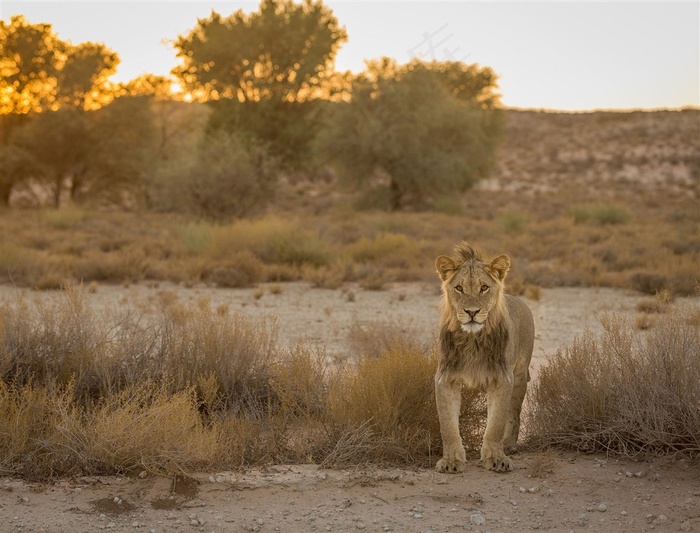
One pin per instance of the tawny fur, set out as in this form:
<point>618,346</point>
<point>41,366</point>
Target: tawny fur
<point>486,339</point>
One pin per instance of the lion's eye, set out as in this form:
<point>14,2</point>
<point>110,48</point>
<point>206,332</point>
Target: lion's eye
<point>484,288</point>
<point>459,288</point>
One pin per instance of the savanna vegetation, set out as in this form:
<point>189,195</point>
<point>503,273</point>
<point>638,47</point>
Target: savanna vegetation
<point>269,165</point>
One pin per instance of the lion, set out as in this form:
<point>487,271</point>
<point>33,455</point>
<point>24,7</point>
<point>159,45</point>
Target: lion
<point>485,341</point>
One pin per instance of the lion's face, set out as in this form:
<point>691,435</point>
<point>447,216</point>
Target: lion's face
<point>472,288</point>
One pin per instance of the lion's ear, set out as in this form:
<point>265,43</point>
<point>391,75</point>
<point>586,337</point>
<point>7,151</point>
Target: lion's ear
<point>444,266</point>
<point>499,266</point>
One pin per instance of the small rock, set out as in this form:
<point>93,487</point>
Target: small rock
<point>623,513</point>
<point>686,526</point>
<point>513,503</point>
<point>477,519</point>
<point>641,473</point>
<point>602,508</point>
<point>522,490</point>
<point>143,474</point>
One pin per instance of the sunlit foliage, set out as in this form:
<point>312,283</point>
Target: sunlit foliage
<point>39,71</point>
<point>284,51</point>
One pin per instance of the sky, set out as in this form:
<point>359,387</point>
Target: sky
<point>573,56</point>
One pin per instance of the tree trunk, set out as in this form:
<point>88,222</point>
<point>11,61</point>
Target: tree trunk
<point>58,185</point>
<point>395,196</point>
<point>5,191</point>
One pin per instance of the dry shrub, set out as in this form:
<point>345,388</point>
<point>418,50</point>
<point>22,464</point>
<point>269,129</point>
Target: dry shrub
<point>649,282</point>
<point>299,382</point>
<point>33,422</point>
<point>388,249</point>
<point>376,337</point>
<point>383,411</point>
<point>199,342</point>
<point>242,269</point>
<point>129,264</point>
<point>272,240</point>
<point>45,434</point>
<point>623,393</point>
<point>147,427</point>
<point>53,342</point>
<point>658,304</point>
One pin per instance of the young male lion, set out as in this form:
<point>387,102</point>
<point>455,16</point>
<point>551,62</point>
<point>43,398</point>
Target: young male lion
<point>486,340</point>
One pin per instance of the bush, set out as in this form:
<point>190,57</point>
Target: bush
<point>599,213</point>
<point>228,177</point>
<point>384,410</point>
<point>623,394</point>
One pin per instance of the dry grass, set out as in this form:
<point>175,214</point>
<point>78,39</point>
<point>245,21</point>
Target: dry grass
<point>648,246</point>
<point>198,388</point>
<point>623,393</point>
<point>193,387</point>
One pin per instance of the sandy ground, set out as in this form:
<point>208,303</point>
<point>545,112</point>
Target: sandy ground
<point>555,492</point>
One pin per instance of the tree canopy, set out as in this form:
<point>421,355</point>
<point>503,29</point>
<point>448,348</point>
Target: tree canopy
<point>429,129</point>
<point>284,52</point>
<point>39,71</point>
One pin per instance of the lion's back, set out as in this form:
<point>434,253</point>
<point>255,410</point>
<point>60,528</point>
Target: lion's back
<point>522,328</point>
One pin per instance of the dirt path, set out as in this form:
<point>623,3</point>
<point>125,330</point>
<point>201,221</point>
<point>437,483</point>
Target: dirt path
<point>583,493</point>
<point>557,492</point>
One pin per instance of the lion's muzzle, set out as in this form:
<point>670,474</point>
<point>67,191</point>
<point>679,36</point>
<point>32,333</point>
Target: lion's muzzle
<point>472,320</point>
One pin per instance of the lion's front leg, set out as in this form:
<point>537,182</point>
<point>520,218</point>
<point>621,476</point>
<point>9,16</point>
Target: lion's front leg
<point>492,453</point>
<point>448,396</point>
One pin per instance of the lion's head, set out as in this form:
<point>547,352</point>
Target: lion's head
<point>473,289</point>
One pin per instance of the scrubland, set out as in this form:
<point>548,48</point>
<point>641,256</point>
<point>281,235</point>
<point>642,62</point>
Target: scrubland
<point>195,387</point>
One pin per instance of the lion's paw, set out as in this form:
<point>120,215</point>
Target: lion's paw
<point>452,462</point>
<point>446,466</point>
<point>499,464</point>
<point>495,459</point>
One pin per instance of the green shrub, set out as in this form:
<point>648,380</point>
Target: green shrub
<point>599,213</point>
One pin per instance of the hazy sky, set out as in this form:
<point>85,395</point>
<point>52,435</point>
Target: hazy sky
<point>557,55</point>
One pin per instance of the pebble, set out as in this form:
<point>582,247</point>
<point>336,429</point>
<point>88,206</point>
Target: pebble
<point>602,508</point>
<point>477,519</point>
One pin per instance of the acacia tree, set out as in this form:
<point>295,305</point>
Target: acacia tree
<point>40,72</point>
<point>429,129</point>
<point>264,70</point>
<point>284,52</point>
<point>46,87</point>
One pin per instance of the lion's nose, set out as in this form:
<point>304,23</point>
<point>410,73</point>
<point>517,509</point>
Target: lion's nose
<point>472,312</point>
